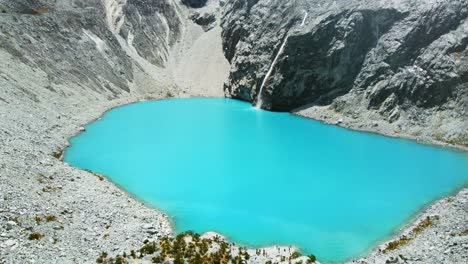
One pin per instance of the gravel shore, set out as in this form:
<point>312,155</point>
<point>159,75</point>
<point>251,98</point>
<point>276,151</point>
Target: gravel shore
<point>446,239</point>
<point>81,214</point>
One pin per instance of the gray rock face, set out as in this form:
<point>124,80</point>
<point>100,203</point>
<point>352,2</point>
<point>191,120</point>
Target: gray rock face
<point>194,3</point>
<point>51,44</point>
<point>145,25</point>
<point>385,56</point>
<point>75,40</point>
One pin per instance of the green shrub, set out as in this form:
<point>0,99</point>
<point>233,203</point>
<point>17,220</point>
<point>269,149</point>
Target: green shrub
<point>157,259</point>
<point>311,259</point>
<point>35,236</point>
<point>295,255</point>
<point>38,219</point>
<point>50,218</point>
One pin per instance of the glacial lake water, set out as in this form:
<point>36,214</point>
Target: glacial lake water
<point>263,178</point>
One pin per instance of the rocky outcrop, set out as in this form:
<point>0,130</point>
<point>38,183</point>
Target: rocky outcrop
<point>149,22</point>
<point>194,3</point>
<point>396,58</point>
<point>206,20</point>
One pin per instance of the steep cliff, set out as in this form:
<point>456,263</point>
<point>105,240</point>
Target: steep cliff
<point>400,62</point>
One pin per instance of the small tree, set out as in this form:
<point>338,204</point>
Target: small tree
<point>311,259</point>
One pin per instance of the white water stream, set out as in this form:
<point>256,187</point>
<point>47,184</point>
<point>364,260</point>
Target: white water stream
<point>270,70</point>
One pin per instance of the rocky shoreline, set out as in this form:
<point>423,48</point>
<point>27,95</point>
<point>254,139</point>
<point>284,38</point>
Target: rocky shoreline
<point>437,235</point>
<point>445,240</point>
<point>79,214</point>
<point>125,222</point>
<point>368,123</point>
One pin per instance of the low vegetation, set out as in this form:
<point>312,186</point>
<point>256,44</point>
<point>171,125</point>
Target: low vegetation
<point>35,236</point>
<point>169,94</point>
<point>99,176</point>
<point>3,9</point>
<point>57,154</point>
<point>427,222</point>
<point>464,233</point>
<point>311,259</point>
<point>48,189</point>
<point>403,240</point>
<point>42,10</point>
<point>187,247</point>
<point>397,243</point>
<point>295,255</point>
<point>50,218</point>
<point>462,141</point>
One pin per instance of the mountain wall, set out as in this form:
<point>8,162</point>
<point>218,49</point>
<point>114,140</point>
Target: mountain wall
<point>402,63</point>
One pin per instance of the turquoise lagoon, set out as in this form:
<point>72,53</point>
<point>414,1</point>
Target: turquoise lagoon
<point>263,178</point>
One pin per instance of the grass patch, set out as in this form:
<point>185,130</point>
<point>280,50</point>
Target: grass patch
<point>311,259</point>
<point>169,94</point>
<point>42,10</point>
<point>3,9</point>
<point>295,255</point>
<point>462,141</point>
<point>51,218</point>
<point>427,222</point>
<point>397,244</point>
<point>42,179</point>
<point>423,225</point>
<point>57,154</point>
<point>48,189</point>
<point>99,176</point>
<point>39,11</point>
<point>35,236</point>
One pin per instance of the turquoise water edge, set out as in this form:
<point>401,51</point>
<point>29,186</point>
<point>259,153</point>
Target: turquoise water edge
<point>264,178</point>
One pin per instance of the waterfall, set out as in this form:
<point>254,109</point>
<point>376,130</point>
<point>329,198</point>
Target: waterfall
<point>270,70</point>
<point>259,97</point>
<point>304,19</point>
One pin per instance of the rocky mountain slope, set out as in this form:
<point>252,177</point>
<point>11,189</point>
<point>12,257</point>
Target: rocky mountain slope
<point>402,64</point>
<point>64,63</point>
<point>96,45</point>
